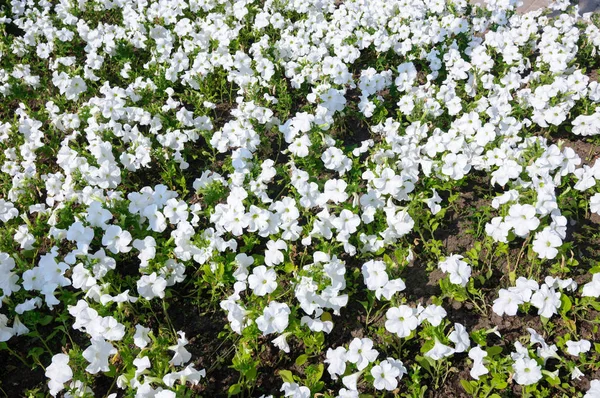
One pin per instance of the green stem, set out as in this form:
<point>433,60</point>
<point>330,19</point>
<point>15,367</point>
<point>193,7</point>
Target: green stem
<point>164,306</point>
<point>19,357</point>
<point>111,386</point>
<point>43,342</point>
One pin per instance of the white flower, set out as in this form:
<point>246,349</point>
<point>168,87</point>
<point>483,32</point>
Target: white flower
<point>594,391</point>
<point>434,314</point>
<point>578,347</point>
<point>116,240</point>
<point>385,375</point>
<point>375,274</point>
<point>7,211</point>
<point>595,204</point>
<point>522,219</point>
<point>81,235</point>
<point>156,219</point>
<point>336,358</point>
<point>507,303</point>
<point>498,229</point>
<point>460,337</point>
<point>160,393</point>
<point>175,210</point>
<point>18,327</point>
<point>334,159</point>
<point>75,88</point>
<point>273,254</point>
<point>263,280</point>
<point>592,288</point>
<point>456,166</point>
<point>281,342</point>
<point>335,191</point>
<point>343,393</point>
<point>434,203</point>
<point>236,315</point>
<point>150,286</point>
<point>8,278</point>
<point>546,300</point>
<point>351,380</point>
<point>407,73</point>
<point>111,329</point>
<point>459,271</point>
<point>347,222</point>
<point>576,374</point>
<point>188,374</point>
<point>401,320</point>
<point>97,355</point>
<point>527,371</point>
<point>25,238</point>
<point>361,352</point>
<point>333,100</point>
<point>546,242</point>
<point>478,369</point>
<point>294,390</point>
<point>545,351</point>
<point>182,355</point>
<point>390,288</point>
<point>59,372</point>
<point>300,146</point>
<point>141,338</point>
<point>97,216</point>
<point>274,319</point>
<point>439,351</point>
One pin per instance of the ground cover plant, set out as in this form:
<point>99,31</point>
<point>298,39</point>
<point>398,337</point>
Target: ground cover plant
<point>299,198</point>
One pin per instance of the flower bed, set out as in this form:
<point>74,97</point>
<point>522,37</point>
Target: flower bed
<point>299,198</point>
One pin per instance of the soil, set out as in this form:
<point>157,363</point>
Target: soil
<point>587,150</point>
<point>207,349</point>
<point>15,376</point>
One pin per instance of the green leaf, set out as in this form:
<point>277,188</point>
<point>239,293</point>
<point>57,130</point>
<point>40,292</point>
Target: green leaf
<point>301,360</point>
<point>286,376</point>
<point>595,270</point>
<point>566,304</point>
<point>492,351</point>
<point>466,386</point>
<point>471,287</point>
<point>551,378</point>
<point>234,389</point>
<point>318,386</point>
<point>35,352</point>
<point>289,268</point>
<point>595,304</point>
<point>365,304</point>
<point>112,371</point>
<point>423,362</point>
<point>251,373</point>
<point>387,260</point>
<point>320,370</point>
